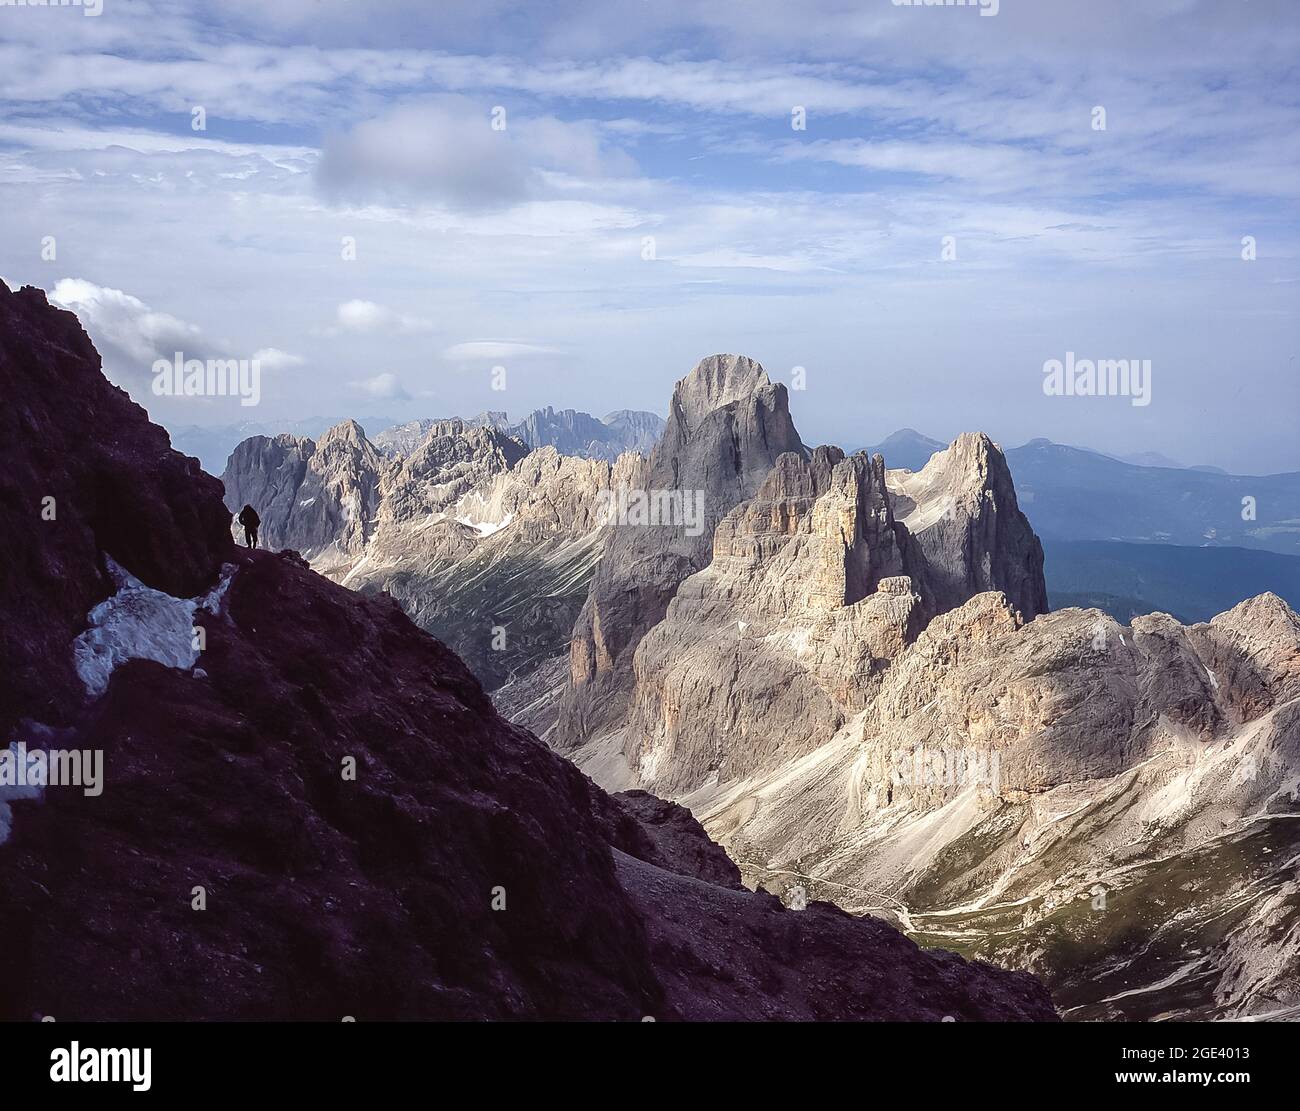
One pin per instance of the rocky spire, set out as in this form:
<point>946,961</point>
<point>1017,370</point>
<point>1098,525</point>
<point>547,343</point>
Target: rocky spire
<point>961,508</point>
<point>727,425</point>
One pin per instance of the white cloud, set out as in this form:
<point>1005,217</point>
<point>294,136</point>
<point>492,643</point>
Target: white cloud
<point>272,358</point>
<point>127,331</point>
<point>383,387</point>
<point>131,336</point>
<point>367,316</point>
<point>57,135</point>
<point>818,248</point>
<point>725,258</point>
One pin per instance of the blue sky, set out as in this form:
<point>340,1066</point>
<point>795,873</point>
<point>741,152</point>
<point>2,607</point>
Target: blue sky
<point>818,248</point>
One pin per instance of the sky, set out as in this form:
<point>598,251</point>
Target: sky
<point>425,209</point>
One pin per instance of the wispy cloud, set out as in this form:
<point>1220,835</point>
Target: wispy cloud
<point>478,350</point>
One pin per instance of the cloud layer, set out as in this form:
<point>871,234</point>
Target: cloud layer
<point>948,217</point>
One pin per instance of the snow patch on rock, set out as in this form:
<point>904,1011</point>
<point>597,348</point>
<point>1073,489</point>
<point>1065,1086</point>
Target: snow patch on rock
<point>140,623</point>
<point>486,528</point>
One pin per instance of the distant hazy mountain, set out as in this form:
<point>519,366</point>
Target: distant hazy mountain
<point>906,449</point>
<point>1192,584</point>
<point>1155,459</point>
<point>569,431</point>
<point>212,445</point>
<point>1074,494</point>
<point>402,439</point>
<point>640,430</point>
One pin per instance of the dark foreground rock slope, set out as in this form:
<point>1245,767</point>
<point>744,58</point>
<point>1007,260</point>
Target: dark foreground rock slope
<point>329,896</point>
<point>82,472</point>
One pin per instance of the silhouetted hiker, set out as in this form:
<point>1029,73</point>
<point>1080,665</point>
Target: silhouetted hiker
<point>250,520</point>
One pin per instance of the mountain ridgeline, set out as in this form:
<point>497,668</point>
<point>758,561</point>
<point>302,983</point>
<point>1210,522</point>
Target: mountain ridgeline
<point>568,431</point>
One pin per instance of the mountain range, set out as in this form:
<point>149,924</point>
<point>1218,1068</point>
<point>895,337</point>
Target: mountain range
<point>860,692</point>
<point>850,673</point>
<point>211,445</point>
<point>1075,493</point>
<point>312,810</point>
<point>569,431</point>
<point>912,449</point>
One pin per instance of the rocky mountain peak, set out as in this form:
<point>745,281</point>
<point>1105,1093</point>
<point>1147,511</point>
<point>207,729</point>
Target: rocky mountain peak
<point>727,426</point>
<point>906,449</point>
<point>492,418</point>
<point>962,510</point>
<point>716,381</point>
<point>1263,610</point>
<point>766,651</point>
<point>347,433</point>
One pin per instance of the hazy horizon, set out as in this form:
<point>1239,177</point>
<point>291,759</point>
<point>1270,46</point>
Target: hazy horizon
<point>373,423</point>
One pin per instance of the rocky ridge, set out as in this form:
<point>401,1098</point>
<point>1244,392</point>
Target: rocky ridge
<point>486,544</point>
<point>1111,807</point>
<point>817,581</point>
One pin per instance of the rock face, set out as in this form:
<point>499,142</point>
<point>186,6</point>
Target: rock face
<point>435,480</point>
<point>319,497</point>
<point>1110,807</point>
<point>501,572</point>
<point>747,660</point>
<point>862,694</point>
<point>463,872</point>
<point>727,426</point>
<point>786,632</point>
